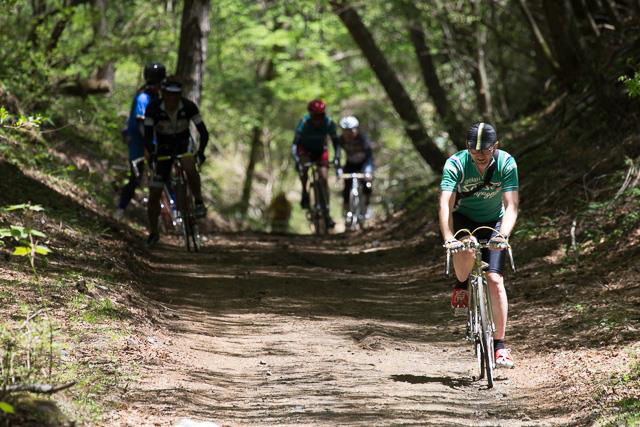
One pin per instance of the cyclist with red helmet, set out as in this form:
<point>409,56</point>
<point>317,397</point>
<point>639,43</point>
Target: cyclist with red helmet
<point>310,144</point>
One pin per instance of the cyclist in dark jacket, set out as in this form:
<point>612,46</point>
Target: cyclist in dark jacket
<point>153,73</point>
<point>359,150</point>
<point>310,145</point>
<point>169,119</point>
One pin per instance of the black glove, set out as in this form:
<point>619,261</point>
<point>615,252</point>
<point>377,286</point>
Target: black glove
<point>201,157</point>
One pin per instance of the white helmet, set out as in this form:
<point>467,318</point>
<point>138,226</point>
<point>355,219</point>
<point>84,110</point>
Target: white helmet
<point>349,122</point>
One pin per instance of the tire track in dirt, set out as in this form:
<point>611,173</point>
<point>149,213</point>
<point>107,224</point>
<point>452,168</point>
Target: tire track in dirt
<point>268,330</point>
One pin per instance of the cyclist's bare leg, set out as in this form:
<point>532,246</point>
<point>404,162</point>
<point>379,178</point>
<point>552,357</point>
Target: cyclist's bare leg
<point>153,208</point>
<point>189,166</point>
<point>499,303</point>
<point>463,262</point>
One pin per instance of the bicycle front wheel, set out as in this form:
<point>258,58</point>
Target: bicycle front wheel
<point>486,336</point>
<point>319,210</point>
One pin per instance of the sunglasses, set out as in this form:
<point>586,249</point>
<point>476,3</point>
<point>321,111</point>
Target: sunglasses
<point>484,151</point>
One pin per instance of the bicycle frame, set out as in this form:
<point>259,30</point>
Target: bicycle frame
<point>355,215</point>
<point>480,324</point>
<point>184,202</point>
<point>318,206</point>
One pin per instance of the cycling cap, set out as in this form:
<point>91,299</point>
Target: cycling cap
<point>481,136</point>
<point>349,122</point>
<point>154,72</point>
<point>172,85</point>
<point>317,106</point>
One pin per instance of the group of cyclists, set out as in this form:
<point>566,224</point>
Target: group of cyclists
<point>479,185</point>
<point>158,131</point>
<point>310,145</point>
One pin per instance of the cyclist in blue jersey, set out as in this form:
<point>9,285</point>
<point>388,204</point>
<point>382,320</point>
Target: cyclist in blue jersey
<point>310,145</point>
<point>484,180</point>
<point>169,117</point>
<point>359,151</point>
<point>153,74</point>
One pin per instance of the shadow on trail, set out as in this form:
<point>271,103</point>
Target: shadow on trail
<point>297,330</point>
<point>389,285</point>
<point>455,383</point>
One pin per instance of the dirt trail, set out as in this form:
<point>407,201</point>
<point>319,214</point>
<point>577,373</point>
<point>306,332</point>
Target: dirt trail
<point>268,330</point>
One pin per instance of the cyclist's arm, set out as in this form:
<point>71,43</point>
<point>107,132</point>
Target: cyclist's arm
<point>148,134</point>
<point>368,151</point>
<point>204,135</point>
<point>333,134</point>
<point>297,138</point>
<point>447,200</point>
<point>510,199</point>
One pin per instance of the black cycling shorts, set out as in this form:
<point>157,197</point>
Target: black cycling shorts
<point>495,259</point>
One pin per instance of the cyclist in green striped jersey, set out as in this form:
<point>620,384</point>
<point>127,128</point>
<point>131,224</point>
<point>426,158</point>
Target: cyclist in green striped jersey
<point>480,187</point>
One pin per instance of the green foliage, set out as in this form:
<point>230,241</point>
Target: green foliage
<point>25,239</point>
<point>631,84</point>
<point>10,121</point>
<point>6,408</point>
<point>27,351</point>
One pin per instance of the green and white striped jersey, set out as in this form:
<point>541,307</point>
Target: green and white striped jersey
<point>461,174</point>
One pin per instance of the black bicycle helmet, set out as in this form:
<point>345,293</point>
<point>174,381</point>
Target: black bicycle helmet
<point>171,84</point>
<point>154,72</point>
<point>481,136</point>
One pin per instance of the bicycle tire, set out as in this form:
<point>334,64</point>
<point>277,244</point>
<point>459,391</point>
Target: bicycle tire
<point>362,210</point>
<point>473,331</point>
<point>486,335</point>
<point>182,200</point>
<point>165,213</point>
<point>192,227</point>
<point>320,219</point>
<point>353,203</point>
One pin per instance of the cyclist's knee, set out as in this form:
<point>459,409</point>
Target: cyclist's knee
<point>495,279</point>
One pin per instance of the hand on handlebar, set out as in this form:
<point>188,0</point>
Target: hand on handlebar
<point>498,243</point>
<point>201,157</point>
<point>453,245</point>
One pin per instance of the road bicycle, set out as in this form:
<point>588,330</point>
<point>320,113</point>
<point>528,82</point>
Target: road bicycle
<point>186,221</point>
<point>318,211</point>
<point>170,220</point>
<point>480,325</point>
<point>356,210</point>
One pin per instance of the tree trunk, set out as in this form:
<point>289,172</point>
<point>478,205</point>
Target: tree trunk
<point>483,88</point>
<point>432,81</point>
<point>105,72</point>
<point>613,13</point>
<point>503,69</point>
<point>539,38</point>
<point>256,143</point>
<point>401,101</point>
<point>567,49</point>
<point>192,53</point>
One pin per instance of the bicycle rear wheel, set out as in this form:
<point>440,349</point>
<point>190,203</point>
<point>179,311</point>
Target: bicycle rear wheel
<point>486,336</point>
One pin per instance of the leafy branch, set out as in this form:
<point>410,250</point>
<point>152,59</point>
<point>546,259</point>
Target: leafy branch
<point>20,121</point>
<point>26,239</point>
